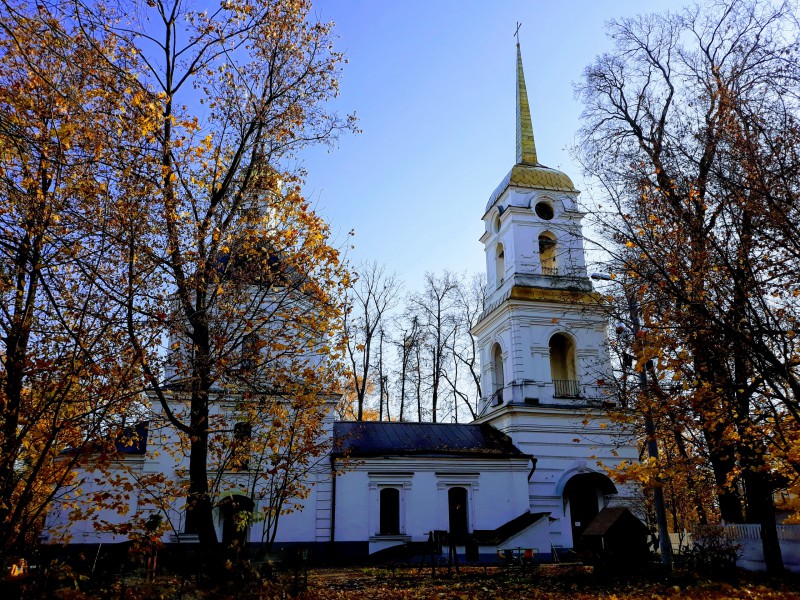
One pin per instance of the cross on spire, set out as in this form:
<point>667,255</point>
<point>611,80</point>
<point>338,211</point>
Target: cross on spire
<point>516,33</point>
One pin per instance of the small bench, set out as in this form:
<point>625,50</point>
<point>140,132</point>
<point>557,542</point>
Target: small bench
<point>522,558</point>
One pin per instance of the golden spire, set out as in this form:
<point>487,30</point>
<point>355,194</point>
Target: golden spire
<point>527,173</point>
<point>526,146</point>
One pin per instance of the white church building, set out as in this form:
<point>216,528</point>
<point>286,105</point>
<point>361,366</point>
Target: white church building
<point>529,472</point>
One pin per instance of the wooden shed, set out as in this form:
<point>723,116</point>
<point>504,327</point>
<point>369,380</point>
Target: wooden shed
<point>617,532</point>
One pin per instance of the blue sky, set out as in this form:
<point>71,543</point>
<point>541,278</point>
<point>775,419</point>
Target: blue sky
<point>432,83</point>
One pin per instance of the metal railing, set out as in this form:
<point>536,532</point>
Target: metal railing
<point>496,399</point>
<point>565,388</point>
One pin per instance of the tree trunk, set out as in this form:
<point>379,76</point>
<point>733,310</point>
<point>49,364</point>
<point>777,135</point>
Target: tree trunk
<point>199,496</point>
<point>199,500</point>
<point>761,510</point>
<point>403,382</point>
<point>722,464</point>
<point>380,378</point>
<point>419,387</point>
<point>16,349</point>
<point>702,518</point>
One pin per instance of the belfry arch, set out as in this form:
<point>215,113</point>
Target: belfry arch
<point>498,371</point>
<point>499,265</point>
<point>547,253</point>
<point>562,366</point>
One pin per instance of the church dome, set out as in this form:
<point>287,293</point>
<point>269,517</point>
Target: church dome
<point>534,177</point>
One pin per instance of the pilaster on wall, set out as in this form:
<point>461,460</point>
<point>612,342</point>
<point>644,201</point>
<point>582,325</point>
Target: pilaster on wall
<point>515,351</point>
<point>555,506</point>
<point>540,357</point>
<point>324,493</point>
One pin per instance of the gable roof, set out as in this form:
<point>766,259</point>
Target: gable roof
<point>380,438</point>
<point>610,516</point>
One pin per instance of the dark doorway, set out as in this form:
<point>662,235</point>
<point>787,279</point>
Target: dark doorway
<point>457,505</point>
<point>234,529</point>
<point>583,508</point>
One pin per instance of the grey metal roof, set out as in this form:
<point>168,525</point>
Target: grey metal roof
<point>379,438</point>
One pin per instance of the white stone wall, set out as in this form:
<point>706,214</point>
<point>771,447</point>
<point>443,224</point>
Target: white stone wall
<point>751,551</point>
<point>566,444</point>
<point>62,525</point>
<point>497,491</point>
<point>168,457</point>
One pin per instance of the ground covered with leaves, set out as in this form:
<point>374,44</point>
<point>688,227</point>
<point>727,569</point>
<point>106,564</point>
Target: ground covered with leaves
<point>542,582</point>
<point>545,581</point>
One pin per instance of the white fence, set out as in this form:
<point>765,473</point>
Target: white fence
<point>748,537</point>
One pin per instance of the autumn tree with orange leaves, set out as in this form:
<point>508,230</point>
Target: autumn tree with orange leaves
<point>67,371</point>
<point>691,131</point>
<point>226,263</point>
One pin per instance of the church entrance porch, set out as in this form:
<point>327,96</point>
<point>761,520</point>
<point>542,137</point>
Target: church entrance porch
<point>584,497</point>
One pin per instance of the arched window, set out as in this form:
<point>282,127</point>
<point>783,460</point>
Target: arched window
<point>547,254</point>
<point>389,511</point>
<point>457,509</point>
<point>234,511</point>
<point>500,265</point>
<point>499,375</point>
<point>562,366</point>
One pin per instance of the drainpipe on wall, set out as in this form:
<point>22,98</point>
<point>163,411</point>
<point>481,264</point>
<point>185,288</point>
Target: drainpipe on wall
<point>333,500</point>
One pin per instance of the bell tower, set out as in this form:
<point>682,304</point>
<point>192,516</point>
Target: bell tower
<point>542,340</point>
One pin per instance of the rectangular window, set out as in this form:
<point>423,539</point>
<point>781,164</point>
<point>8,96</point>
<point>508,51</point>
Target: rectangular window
<point>389,511</point>
<point>250,353</point>
<point>240,458</point>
